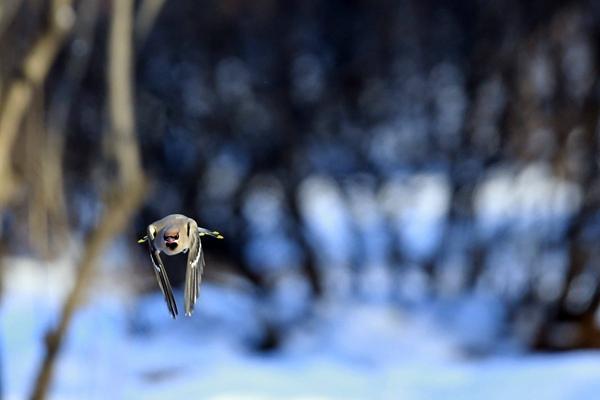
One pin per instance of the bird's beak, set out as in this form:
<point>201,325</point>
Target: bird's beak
<point>171,239</point>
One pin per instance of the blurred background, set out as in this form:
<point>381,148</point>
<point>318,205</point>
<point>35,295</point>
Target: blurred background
<point>408,192</point>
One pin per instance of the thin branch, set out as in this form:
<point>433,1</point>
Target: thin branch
<point>8,10</point>
<point>120,82</point>
<point>145,19</point>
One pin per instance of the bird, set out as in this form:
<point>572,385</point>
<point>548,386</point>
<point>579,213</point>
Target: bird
<point>172,235</point>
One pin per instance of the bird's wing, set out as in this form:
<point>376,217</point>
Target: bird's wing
<point>204,231</point>
<point>161,274</point>
<point>193,273</point>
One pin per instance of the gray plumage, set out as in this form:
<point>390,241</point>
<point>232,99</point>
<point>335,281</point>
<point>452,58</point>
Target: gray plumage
<point>172,235</point>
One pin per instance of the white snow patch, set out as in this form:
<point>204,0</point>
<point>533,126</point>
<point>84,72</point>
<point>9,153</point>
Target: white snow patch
<point>351,351</point>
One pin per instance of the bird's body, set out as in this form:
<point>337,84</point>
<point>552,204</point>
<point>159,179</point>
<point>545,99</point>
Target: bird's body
<point>172,235</point>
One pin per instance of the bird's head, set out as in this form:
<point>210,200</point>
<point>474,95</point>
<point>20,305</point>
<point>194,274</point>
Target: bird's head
<point>171,238</point>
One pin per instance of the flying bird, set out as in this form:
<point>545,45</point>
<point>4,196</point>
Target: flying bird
<point>172,235</point>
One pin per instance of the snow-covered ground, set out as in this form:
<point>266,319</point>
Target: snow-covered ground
<point>355,351</point>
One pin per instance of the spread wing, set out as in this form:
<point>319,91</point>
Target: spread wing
<point>161,275</point>
<point>193,273</point>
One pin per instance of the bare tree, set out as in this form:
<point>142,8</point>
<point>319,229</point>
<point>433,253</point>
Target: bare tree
<point>125,194</point>
<point>20,93</point>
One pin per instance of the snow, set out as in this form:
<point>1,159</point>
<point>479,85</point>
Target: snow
<point>418,204</point>
<point>530,199</point>
<point>351,350</point>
